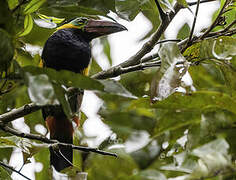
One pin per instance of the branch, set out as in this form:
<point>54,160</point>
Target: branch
<point>12,169</point>
<point>214,24</point>
<point>19,112</point>
<point>147,47</point>
<point>138,67</point>
<point>161,12</point>
<point>53,142</point>
<point>194,23</point>
<point>203,1</point>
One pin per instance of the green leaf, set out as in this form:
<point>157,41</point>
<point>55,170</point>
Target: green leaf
<point>12,4</point>
<point>28,25</point>
<point>196,101</point>
<point>146,155</point>
<point>172,120</point>
<point>33,6</point>
<point>6,50</point>
<point>107,49</point>
<point>4,174</point>
<point>124,163</point>
<point>149,174</point>
<point>184,32</point>
<point>43,158</point>
<point>213,157</point>
<point>14,141</point>
<point>141,80</point>
<point>183,162</point>
<point>224,48</point>
<point>167,4</point>
<point>125,123</point>
<point>99,5</point>
<point>168,77</point>
<point>6,142</point>
<point>40,89</point>
<point>220,48</point>
<point>128,9</point>
<point>72,79</point>
<point>114,87</point>
<point>183,3</point>
<point>60,94</point>
<point>67,78</point>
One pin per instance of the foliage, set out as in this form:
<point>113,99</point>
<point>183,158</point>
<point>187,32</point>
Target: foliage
<point>190,125</point>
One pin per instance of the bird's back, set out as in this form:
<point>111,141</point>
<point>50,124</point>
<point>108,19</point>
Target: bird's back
<point>68,50</point>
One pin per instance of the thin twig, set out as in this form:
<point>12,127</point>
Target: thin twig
<point>168,40</point>
<point>138,67</point>
<point>53,142</point>
<point>194,23</point>
<point>12,169</point>
<point>228,27</point>
<point>214,24</point>
<point>203,1</point>
<point>147,47</point>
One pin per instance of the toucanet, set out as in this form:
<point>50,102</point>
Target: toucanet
<point>68,48</point>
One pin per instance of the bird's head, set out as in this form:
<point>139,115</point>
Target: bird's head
<point>94,28</point>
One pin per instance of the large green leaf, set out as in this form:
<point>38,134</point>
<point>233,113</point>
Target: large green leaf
<point>103,6</point>
<point>33,6</point>
<point>72,79</point>
<point>125,123</point>
<point>41,90</point>
<point>146,155</point>
<point>196,101</point>
<point>168,77</point>
<point>184,31</point>
<point>213,157</point>
<point>172,120</point>
<point>141,80</point>
<point>220,48</point>
<point>28,25</point>
<point>43,158</point>
<point>116,168</point>
<point>12,4</point>
<point>128,9</point>
<point>4,174</point>
<point>149,174</point>
<point>67,78</point>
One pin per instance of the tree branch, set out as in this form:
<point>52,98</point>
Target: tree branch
<point>19,112</point>
<point>203,1</point>
<point>12,169</point>
<point>214,24</point>
<point>161,12</point>
<point>147,47</point>
<point>53,142</point>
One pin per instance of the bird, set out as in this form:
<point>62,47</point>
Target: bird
<point>69,48</point>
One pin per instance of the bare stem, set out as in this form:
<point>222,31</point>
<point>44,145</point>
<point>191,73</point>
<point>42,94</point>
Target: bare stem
<point>214,24</point>
<point>194,23</point>
<point>12,169</point>
<point>51,141</point>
